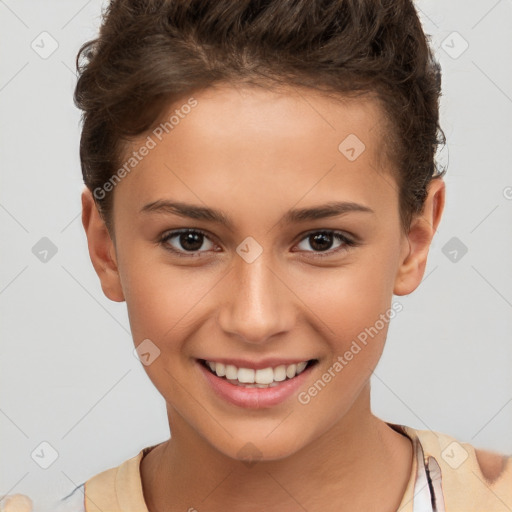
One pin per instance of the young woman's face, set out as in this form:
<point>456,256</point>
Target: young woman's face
<point>265,183</point>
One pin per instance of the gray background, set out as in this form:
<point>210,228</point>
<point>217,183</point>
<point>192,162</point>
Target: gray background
<point>68,373</point>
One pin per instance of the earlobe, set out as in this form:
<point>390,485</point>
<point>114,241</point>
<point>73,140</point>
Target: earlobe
<point>416,244</point>
<point>101,248</point>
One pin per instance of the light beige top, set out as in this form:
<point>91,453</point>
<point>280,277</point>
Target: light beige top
<point>447,476</point>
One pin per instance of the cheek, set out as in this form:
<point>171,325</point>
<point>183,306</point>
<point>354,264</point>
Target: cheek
<point>163,300</point>
<point>348,299</point>
<point>354,306</point>
<point>355,309</point>
<point>154,310</point>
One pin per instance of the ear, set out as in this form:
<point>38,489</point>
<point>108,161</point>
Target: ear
<point>416,244</point>
<point>101,248</point>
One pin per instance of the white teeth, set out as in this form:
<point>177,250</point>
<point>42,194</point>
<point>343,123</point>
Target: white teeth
<point>264,376</point>
<point>231,372</point>
<point>300,367</point>
<point>220,369</point>
<point>246,375</point>
<point>261,378</point>
<point>291,371</point>
<point>271,385</point>
<point>280,373</point>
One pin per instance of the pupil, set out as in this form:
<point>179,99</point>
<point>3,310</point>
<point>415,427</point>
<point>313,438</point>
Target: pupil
<point>191,241</point>
<point>322,237</point>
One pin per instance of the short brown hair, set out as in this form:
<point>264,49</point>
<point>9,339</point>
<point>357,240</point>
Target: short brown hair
<point>149,53</point>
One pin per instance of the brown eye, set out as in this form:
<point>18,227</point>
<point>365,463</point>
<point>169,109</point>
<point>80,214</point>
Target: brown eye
<point>186,241</point>
<point>322,241</point>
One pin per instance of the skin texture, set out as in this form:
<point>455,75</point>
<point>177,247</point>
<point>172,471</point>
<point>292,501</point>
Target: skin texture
<point>255,154</point>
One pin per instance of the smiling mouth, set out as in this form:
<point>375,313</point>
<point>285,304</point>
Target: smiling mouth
<point>261,378</point>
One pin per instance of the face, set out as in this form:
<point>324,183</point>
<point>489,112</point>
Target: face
<point>286,247</point>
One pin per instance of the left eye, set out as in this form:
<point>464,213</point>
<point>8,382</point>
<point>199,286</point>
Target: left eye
<point>323,241</point>
<point>192,240</point>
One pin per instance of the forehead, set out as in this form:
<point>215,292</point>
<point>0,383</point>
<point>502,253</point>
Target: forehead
<point>247,115</point>
<point>271,145</point>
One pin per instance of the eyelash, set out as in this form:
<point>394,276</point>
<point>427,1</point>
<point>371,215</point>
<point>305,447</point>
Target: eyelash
<point>337,235</point>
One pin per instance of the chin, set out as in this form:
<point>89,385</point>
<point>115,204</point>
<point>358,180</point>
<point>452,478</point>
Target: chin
<point>261,446</point>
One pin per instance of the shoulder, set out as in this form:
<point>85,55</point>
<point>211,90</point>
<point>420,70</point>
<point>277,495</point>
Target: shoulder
<point>118,488</point>
<point>99,492</point>
<point>73,502</point>
<point>115,489</point>
<point>492,465</point>
<point>471,478</point>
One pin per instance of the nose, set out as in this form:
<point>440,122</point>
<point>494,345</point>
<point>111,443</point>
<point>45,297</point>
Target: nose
<point>258,304</point>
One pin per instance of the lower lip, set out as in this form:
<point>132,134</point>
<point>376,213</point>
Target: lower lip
<point>254,398</point>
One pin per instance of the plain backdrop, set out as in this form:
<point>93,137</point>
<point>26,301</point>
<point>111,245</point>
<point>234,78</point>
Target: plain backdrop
<point>68,375</point>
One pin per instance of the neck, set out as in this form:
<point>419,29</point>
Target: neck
<point>360,453</point>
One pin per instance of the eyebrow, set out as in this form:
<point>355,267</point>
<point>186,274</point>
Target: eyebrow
<point>331,209</point>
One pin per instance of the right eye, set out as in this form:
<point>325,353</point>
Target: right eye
<point>190,240</point>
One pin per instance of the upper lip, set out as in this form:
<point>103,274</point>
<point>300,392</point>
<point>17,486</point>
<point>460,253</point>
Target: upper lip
<point>256,365</point>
